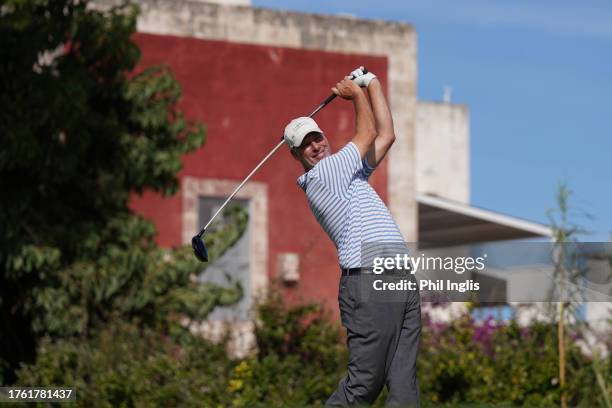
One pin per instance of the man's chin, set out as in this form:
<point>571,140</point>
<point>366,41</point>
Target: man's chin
<point>317,159</point>
<point>314,160</point>
<point>322,156</point>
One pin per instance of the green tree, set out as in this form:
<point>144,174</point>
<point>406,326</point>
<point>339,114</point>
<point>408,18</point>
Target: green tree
<point>568,276</point>
<point>80,133</point>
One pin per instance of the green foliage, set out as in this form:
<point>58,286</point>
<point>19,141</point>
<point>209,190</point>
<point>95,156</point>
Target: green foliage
<point>301,358</point>
<point>124,365</point>
<point>127,277</point>
<point>88,300</point>
<point>81,133</point>
<point>569,274</point>
<point>300,361</point>
<point>299,329</point>
<point>496,363</point>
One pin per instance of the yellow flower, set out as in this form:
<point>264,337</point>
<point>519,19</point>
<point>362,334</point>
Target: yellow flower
<point>242,367</point>
<point>235,385</point>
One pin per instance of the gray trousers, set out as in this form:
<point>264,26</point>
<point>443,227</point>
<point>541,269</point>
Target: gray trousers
<point>383,333</point>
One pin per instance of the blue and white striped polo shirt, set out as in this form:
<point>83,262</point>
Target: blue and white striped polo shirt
<point>347,207</point>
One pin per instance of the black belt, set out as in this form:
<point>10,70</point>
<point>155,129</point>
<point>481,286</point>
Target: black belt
<point>356,271</point>
<point>369,271</point>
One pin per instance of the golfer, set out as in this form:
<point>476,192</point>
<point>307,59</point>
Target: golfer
<point>382,336</point>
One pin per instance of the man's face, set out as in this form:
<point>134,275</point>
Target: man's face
<point>313,149</point>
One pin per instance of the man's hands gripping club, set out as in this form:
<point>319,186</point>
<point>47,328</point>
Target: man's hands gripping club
<point>362,77</point>
<point>385,134</point>
<point>365,128</point>
<point>347,89</point>
<point>375,147</point>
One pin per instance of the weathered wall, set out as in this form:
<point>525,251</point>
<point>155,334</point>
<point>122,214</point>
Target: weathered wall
<point>443,150</point>
<point>245,72</point>
<point>232,2</point>
<point>245,94</point>
<point>394,41</point>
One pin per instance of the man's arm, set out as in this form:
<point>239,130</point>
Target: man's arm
<point>365,128</point>
<point>384,124</point>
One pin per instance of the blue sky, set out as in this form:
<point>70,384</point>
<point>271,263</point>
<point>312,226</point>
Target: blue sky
<point>537,77</point>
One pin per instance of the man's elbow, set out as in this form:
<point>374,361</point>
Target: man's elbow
<point>387,137</point>
<point>371,134</point>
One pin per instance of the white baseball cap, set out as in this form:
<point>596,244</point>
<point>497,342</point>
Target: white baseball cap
<point>297,129</point>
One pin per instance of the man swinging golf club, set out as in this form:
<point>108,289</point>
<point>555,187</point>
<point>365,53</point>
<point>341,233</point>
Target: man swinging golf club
<point>382,336</point>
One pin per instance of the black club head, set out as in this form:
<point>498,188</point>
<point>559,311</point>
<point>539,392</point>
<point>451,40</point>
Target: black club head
<point>199,249</point>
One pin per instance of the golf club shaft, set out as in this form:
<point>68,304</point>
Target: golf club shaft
<point>322,105</point>
<point>331,97</point>
<point>243,182</point>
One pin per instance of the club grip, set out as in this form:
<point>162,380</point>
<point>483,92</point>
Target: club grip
<point>364,69</point>
<point>329,99</point>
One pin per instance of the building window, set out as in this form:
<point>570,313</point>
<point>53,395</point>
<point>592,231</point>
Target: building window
<point>234,265</point>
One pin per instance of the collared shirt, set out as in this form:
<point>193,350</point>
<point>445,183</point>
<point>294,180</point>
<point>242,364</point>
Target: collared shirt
<point>347,207</point>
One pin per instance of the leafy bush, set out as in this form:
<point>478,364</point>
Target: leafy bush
<point>87,132</point>
<point>81,133</point>
<point>499,363</point>
<point>126,365</point>
<point>300,358</point>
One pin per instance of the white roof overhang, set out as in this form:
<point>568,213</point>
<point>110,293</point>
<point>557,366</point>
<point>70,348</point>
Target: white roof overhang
<point>444,222</point>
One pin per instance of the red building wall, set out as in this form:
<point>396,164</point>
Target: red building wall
<point>245,95</point>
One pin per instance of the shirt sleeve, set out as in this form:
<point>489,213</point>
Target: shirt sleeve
<point>367,169</point>
<point>338,170</point>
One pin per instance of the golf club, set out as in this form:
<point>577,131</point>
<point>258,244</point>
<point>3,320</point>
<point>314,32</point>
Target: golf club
<point>197,243</point>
